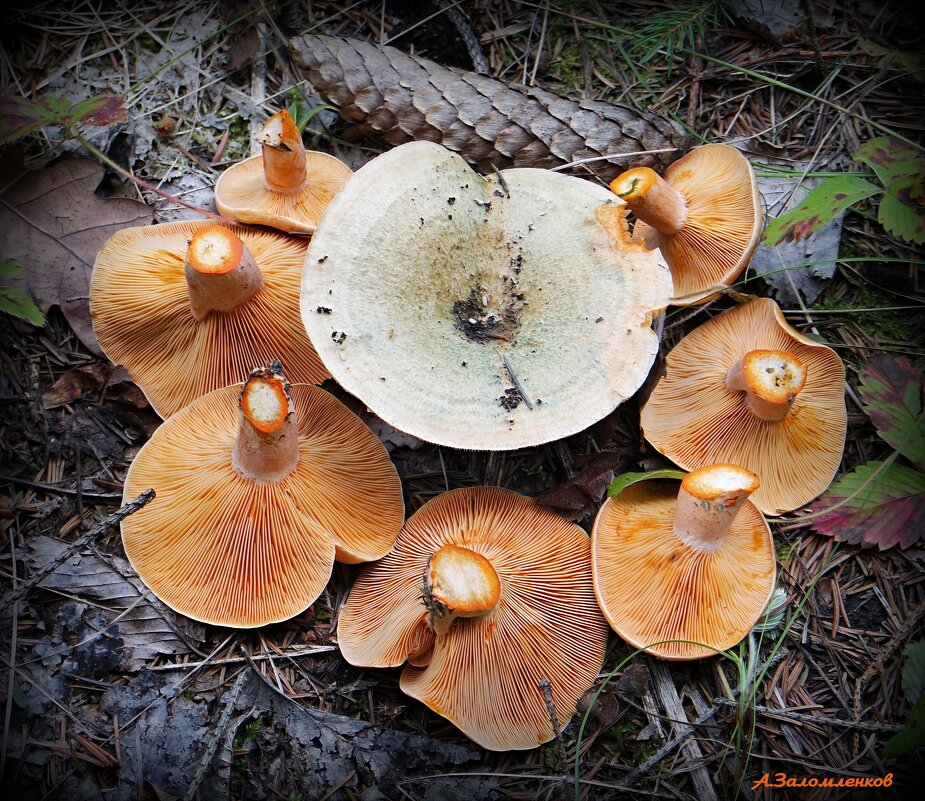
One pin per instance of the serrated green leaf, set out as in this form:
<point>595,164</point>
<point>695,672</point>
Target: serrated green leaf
<point>891,158</point>
<point>901,211</point>
<point>622,481</point>
<point>875,504</point>
<point>102,110</point>
<point>16,302</point>
<point>892,394</point>
<point>8,269</point>
<point>913,675</point>
<point>911,737</point>
<point>823,202</point>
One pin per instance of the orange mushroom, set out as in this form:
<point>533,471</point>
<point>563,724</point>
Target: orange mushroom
<point>188,307</point>
<point>258,491</point>
<point>507,601</point>
<point>684,573</point>
<point>705,216</point>
<point>287,187</point>
<point>745,387</point>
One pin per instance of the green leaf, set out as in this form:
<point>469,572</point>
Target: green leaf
<point>13,300</point>
<point>913,676</point>
<point>877,503</point>
<point>19,117</point>
<point>902,208</point>
<point>911,737</point>
<point>16,302</point>
<point>823,203</point>
<point>891,392</point>
<point>622,481</point>
<point>891,158</point>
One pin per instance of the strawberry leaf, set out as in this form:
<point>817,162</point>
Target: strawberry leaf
<point>890,158</point>
<point>823,203</point>
<point>879,503</point>
<point>902,208</point>
<point>891,391</point>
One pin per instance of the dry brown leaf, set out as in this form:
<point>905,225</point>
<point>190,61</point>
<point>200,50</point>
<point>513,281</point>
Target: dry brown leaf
<point>53,223</point>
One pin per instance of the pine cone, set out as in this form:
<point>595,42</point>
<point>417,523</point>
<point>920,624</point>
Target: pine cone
<point>490,123</point>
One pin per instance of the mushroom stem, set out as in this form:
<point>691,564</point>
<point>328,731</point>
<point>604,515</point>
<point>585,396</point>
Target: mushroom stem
<point>708,501</point>
<point>459,583</point>
<point>770,380</point>
<point>283,154</point>
<point>652,199</point>
<point>267,446</point>
<point>221,272</point>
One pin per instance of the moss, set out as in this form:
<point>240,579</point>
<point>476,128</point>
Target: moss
<point>872,310</point>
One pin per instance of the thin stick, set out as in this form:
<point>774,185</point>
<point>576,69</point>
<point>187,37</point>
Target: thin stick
<point>516,380</point>
<point>546,687</point>
<point>116,517</point>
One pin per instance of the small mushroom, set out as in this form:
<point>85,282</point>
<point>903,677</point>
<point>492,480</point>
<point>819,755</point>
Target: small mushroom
<point>705,216</point>
<point>684,572</point>
<point>486,593</point>
<point>188,307</point>
<point>287,187</point>
<point>745,387</point>
<point>258,490</point>
<point>483,313</point>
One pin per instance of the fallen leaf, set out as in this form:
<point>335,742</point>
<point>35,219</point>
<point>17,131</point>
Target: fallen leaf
<point>53,223</point>
<point>74,384</point>
<point>875,504</point>
<point>891,391</point>
<point>581,494</point>
<point>823,203</point>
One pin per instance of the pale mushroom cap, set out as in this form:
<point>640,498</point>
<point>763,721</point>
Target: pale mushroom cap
<point>724,221</point>
<point>694,420</point>
<point>484,674</point>
<point>423,277</point>
<point>141,315</point>
<point>241,193</point>
<point>231,551</point>
<point>653,587</point>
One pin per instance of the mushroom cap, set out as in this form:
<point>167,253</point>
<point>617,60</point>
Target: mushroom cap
<point>241,193</point>
<point>725,218</point>
<point>423,278</point>
<point>140,306</point>
<point>230,551</point>
<point>653,587</point>
<point>694,420</point>
<point>484,674</point>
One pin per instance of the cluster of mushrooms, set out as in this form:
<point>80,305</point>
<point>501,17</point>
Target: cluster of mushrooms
<point>473,312</point>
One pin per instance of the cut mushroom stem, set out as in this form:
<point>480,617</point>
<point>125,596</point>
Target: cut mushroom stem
<point>652,199</point>
<point>708,501</point>
<point>221,272</point>
<point>283,154</point>
<point>770,380</point>
<point>459,583</point>
<point>267,446</point>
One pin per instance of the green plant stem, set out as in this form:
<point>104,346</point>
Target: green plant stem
<point>144,184</point>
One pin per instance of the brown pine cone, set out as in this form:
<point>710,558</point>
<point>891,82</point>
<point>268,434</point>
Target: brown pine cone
<point>490,123</point>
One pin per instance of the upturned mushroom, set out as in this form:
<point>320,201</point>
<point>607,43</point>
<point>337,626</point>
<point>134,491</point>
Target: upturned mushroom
<point>705,215</point>
<point>258,490</point>
<point>286,187</point>
<point>684,572</point>
<point>484,313</point>
<point>745,387</point>
<point>486,594</point>
<point>188,307</point>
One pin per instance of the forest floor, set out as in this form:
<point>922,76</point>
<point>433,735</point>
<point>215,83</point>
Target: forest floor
<point>107,693</point>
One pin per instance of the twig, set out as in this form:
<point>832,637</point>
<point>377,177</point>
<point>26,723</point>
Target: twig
<point>470,40</point>
<point>116,517</point>
<point>817,719</point>
<point>520,387</point>
<point>546,687</point>
<point>87,496</point>
<point>213,742</point>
